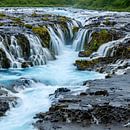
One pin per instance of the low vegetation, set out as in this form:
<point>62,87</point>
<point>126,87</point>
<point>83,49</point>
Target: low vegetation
<point>119,5</point>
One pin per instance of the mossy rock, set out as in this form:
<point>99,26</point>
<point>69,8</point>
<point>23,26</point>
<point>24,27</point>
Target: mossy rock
<point>43,33</point>
<point>122,51</point>
<point>4,61</point>
<point>2,15</point>
<point>17,21</point>
<point>29,26</point>
<point>63,23</point>
<point>85,64</point>
<point>99,38</point>
<point>108,22</point>
<point>85,53</point>
<point>45,19</point>
<point>94,63</point>
<point>75,29</point>
<point>128,49</point>
<point>1,24</point>
<point>34,14</point>
<point>23,42</point>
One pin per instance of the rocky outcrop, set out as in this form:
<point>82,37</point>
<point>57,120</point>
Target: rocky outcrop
<point>99,37</point>
<point>7,101</point>
<point>4,61</point>
<point>118,53</point>
<point>105,102</point>
<point>24,44</point>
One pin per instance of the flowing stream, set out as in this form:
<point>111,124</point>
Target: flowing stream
<point>56,74</point>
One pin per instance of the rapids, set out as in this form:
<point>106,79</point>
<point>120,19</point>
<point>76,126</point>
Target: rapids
<point>55,74</point>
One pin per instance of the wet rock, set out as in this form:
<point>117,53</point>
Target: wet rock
<point>21,84</point>
<point>104,103</point>
<point>43,33</point>
<point>6,101</point>
<point>99,37</point>
<point>108,76</point>
<point>4,106</point>
<point>102,92</point>
<point>4,61</point>
<point>24,44</point>
<point>60,91</point>
<point>26,64</point>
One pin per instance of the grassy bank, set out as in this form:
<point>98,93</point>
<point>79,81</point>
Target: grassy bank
<point>114,5</point>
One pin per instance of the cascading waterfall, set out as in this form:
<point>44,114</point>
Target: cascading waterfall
<point>108,49</point>
<point>8,53</point>
<point>13,51</point>
<point>57,39</point>
<point>82,36</point>
<point>38,54</point>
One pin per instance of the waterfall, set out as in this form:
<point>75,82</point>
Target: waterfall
<point>80,39</point>
<point>13,51</point>
<point>38,54</point>
<point>9,54</point>
<point>28,48</point>
<point>107,49</point>
<point>57,39</point>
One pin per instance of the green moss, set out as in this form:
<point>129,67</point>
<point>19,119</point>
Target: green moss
<point>28,26</point>
<point>75,29</point>
<point>43,33</point>
<point>34,14</point>
<point>107,22</point>
<point>63,19</point>
<point>98,38</point>
<point>2,15</point>
<point>45,19</point>
<point>17,21</point>
<point>84,64</point>
<point>85,53</point>
<point>1,24</point>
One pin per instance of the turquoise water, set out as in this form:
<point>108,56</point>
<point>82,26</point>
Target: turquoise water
<point>56,74</point>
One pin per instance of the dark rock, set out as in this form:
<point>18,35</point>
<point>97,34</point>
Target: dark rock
<point>108,76</point>
<point>60,91</point>
<point>6,101</point>
<point>26,64</point>
<point>102,92</point>
<point>4,106</point>
<point>4,61</point>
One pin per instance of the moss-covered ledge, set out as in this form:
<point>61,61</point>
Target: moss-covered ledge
<point>43,33</point>
<point>99,37</point>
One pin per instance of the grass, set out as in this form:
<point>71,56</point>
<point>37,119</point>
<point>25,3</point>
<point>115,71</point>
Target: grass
<point>113,5</point>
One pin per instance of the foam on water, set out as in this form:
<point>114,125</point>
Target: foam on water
<point>56,74</point>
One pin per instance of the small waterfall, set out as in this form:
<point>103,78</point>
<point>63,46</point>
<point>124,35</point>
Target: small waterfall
<point>80,38</point>
<point>70,26</point>
<point>38,54</point>
<point>107,49</point>
<point>14,52</point>
<point>8,53</point>
<point>57,39</point>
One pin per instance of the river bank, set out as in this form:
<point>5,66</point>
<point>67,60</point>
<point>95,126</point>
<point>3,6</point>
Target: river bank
<point>104,105</point>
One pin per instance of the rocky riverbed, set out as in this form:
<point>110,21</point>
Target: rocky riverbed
<point>104,105</point>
